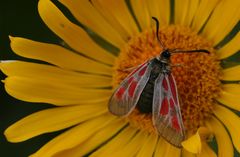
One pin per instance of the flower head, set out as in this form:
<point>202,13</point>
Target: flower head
<point>114,36</point>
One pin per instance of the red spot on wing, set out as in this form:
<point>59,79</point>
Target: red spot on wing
<point>171,103</point>
<point>142,72</point>
<point>164,84</point>
<point>132,88</point>
<point>120,93</point>
<point>175,123</point>
<point>173,87</point>
<point>164,107</point>
<point>130,80</point>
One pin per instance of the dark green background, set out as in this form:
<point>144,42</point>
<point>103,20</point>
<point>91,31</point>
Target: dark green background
<point>20,18</point>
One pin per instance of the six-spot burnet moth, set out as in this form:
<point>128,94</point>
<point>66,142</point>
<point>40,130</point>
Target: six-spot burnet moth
<point>151,88</point>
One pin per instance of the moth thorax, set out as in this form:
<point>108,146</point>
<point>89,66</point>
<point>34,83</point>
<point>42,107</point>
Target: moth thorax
<point>164,60</point>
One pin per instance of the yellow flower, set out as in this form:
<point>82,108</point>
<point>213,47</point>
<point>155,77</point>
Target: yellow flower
<point>81,74</point>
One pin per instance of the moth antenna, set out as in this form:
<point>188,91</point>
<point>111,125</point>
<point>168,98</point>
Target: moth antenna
<point>157,30</point>
<point>189,51</point>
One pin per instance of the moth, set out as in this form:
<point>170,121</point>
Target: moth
<point>151,88</point>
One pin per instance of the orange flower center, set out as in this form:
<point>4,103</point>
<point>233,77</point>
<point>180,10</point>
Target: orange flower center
<point>197,77</point>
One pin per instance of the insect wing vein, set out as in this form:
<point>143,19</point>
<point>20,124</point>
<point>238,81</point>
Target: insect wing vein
<point>166,110</point>
<point>126,96</point>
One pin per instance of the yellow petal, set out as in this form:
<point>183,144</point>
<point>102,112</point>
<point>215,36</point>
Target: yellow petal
<point>119,13</point>
<point>186,153</point>
<point>93,142</point>
<point>180,11</point>
<point>166,149</point>
<point>173,151</point>
<point>191,11</point>
<point>116,143</point>
<point>148,147</point>
<point>134,145</point>
<point>111,20</point>
<point>232,88</point>
<point>225,147</point>
<point>85,13</point>
<point>230,48</point>
<point>231,74</point>
<point>73,35</point>
<point>216,29</point>
<point>44,121</point>
<point>160,9</point>
<point>231,121</point>
<point>193,144</point>
<point>206,151</point>
<point>74,136</point>
<point>53,74</point>
<point>230,95</point>
<point>202,13</point>
<point>161,148</point>
<point>141,12</point>
<point>57,55</point>
<point>31,90</point>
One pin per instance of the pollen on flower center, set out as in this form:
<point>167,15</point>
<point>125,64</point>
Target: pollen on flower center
<point>197,76</point>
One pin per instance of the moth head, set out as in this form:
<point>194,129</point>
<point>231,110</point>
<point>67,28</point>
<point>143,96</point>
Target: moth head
<point>166,54</point>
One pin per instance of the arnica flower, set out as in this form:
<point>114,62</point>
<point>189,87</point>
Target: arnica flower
<point>79,76</point>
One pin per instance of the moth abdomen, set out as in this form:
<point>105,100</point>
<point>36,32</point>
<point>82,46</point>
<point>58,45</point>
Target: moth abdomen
<point>145,101</point>
<point>144,104</point>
